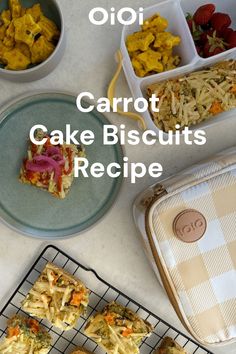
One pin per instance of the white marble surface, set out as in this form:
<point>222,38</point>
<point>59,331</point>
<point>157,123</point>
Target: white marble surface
<point>87,66</point>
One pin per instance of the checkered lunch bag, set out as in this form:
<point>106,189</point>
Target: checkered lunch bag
<point>188,224</point>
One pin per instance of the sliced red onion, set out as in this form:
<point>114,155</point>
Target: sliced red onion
<point>38,167</point>
<point>59,158</point>
<point>55,153</point>
<point>43,163</point>
<point>53,150</point>
<point>61,163</point>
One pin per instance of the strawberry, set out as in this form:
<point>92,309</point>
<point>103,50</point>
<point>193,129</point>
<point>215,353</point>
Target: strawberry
<point>206,27</point>
<point>232,40</point>
<point>225,32</point>
<point>210,52</point>
<point>197,35</point>
<point>214,46</point>
<point>204,36</point>
<point>204,14</point>
<point>199,50</point>
<point>190,21</point>
<point>219,21</point>
<point>195,30</point>
<point>218,50</point>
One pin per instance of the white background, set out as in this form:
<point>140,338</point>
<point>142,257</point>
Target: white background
<point>113,247</point>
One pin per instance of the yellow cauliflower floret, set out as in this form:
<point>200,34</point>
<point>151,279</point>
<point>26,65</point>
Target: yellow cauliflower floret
<point>48,28</point>
<point>166,40</point>
<point>151,61</point>
<point>3,49</point>
<point>164,51</point>
<point>35,11</point>
<point>138,67</point>
<point>134,54</point>
<point>26,29</point>
<point>15,8</point>
<point>166,57</point>
<point>22,40</point>
<point>41,50</point>
<point>151,49</point>
<point>139,41</point>
<point>9,39</point>
<point>15,60</point>
<point>6,17</point>
<point>155,24</point>
<point>24,49</point>
<point>3,29</point>
<point>23,11</point>
<point>172,63</point>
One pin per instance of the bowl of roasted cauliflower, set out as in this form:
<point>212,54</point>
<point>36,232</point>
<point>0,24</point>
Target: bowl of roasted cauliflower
<point>31,38</point>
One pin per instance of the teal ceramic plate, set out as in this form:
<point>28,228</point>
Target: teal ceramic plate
<point>32,211</point>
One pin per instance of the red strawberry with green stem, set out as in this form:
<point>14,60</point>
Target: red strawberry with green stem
<point>220,21</point>
<point>231,40</point>
<point>190,21</point>
<point>204,14</point>
<point>195,30</point>
<point>214,46</point>
<point>225,33</point>
<point>205,35</point>
<point>199,50</point>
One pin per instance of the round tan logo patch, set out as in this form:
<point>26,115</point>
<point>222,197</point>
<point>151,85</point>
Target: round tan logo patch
<point>190,226</point>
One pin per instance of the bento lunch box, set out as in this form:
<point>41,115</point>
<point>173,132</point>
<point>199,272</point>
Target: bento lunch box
<point>175,11</point>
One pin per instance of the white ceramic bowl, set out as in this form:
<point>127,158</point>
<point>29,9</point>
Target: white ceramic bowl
<point>52,10</point>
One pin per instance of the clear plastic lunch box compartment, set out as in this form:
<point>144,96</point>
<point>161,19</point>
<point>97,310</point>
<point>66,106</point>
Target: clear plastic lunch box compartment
<point>170,10</point>
<point>224,6</point>
<point>175,12</point>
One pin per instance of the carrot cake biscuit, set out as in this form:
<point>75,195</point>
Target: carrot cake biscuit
<point>58,297</point>
<point>25,336</point>
<point>50,167</point>
<point>118,330</point>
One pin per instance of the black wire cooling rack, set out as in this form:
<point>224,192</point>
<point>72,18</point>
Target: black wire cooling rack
<point>101,294</point>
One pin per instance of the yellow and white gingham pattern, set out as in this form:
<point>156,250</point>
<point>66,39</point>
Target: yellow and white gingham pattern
<point>203,273</point>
